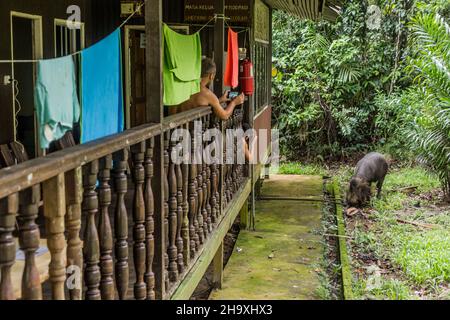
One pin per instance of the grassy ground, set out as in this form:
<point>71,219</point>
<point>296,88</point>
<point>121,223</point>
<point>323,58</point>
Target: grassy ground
<point>400,246</point>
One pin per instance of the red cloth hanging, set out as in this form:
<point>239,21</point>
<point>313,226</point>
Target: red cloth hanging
<point>231,77</point>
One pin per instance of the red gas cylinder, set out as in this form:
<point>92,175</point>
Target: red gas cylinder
<point>246,77</point>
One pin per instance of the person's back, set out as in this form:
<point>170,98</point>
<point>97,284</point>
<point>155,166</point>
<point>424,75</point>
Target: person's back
<point>197,100</point>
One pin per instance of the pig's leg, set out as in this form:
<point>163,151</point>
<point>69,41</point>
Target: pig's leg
<point>379,186</point>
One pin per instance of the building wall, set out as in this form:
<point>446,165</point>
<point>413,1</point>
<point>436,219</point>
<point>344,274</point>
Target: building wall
<point>100,17</point>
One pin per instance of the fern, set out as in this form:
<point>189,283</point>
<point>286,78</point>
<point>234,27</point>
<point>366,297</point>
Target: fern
<point>430,134</point>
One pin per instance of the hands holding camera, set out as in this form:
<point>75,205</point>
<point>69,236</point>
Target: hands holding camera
<point>231,96</point>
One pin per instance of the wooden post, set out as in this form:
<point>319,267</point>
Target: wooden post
<point>269,59</point>
<point>54,212</point>
<point>219,48</point>
<point>269,80</point>
<point>244,216</point>
<point>154,108</point>
<point>218,268</point>
<point>219,45</point>
<point>252,107</point>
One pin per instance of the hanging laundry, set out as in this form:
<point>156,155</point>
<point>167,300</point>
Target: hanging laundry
<point>231,77</point>
<point>182,66</point>
<point>102,89</point>
<point>56,100</point>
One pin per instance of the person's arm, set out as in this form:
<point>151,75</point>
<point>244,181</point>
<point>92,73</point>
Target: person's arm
<point>221,113</point>
<point>247,151</point>
<point>224,98</point>
<point>248,155</point>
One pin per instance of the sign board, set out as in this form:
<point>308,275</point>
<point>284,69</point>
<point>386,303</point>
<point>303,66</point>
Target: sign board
<point>262,22</point>
<point>128,7</point>
<point>201,11</point>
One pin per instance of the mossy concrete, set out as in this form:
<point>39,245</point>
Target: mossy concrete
<point>279,260</point>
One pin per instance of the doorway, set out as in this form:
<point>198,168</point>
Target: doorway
<point>135,97</point>
<point>26,44</point>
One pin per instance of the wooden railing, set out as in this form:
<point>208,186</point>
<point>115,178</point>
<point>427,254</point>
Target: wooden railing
<point>93,207</point>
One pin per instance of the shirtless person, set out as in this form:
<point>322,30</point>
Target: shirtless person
<point>207,98</point>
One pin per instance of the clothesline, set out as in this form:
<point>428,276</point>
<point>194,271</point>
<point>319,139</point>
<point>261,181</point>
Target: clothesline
<point>201,25</point>
<point>138,9</point>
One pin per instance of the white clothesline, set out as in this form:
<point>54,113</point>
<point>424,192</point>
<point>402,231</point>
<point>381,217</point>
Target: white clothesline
<point>138,9</point>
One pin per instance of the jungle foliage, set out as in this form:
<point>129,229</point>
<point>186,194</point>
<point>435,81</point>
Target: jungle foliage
<point>345,88</point>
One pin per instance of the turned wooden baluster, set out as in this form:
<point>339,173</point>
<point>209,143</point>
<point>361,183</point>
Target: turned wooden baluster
<point>173,207</point>
<point>8,211</point>
<point>213,199</point>
<point>225,175</point>
<point>234,180</point>
<point>206,225</point>
<point>91,245</point>
<point>218,169</point>
<point>74,195</point>
<point>212,183</point>
<point>193,198</point>
<point>180,205</point>
<point>241,166</point>
<point>121,223</point>
<point>105,231</point>
<point>140,288</point>
<point>231,165</point>
<point>149,221</point>
<point>166,207</point>
<point>54,211</point>
<point>224,168</point>
<point>201,222</point>
<point>208,186</point>
<point>29,241</point>
<point>186,223</point>
<point>229,168</point>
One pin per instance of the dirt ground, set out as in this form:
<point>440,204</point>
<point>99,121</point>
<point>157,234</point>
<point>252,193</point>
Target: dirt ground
<point>205,286</point>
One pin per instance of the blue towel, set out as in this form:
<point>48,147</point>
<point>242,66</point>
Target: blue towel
<point>102,96</point>
<point>55,99</point>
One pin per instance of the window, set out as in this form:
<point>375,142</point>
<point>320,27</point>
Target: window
<point>68,40</point>
<point>262,89</point>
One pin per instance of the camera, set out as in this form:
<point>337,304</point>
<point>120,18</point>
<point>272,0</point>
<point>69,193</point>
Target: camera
<point>232,95</point>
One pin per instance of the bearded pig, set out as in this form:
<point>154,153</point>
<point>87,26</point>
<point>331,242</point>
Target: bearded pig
<point>372,168</point>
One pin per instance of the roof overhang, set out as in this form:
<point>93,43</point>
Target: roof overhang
<point>309,9</point>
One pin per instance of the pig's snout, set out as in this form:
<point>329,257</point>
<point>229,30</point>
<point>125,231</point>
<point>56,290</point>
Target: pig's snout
<point>359,193</point>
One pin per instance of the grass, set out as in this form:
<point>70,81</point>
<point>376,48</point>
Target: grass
<point>425,257</point>
<point>411,176</point>
<point>416,260</point>
<point>419,258</point>
<point>299,168</point>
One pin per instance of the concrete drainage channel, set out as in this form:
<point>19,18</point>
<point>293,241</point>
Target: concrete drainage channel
<point>335,199</point>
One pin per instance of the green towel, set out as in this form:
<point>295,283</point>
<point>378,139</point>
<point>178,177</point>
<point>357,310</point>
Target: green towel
<point>182,66</point>
<point>56,99</point>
